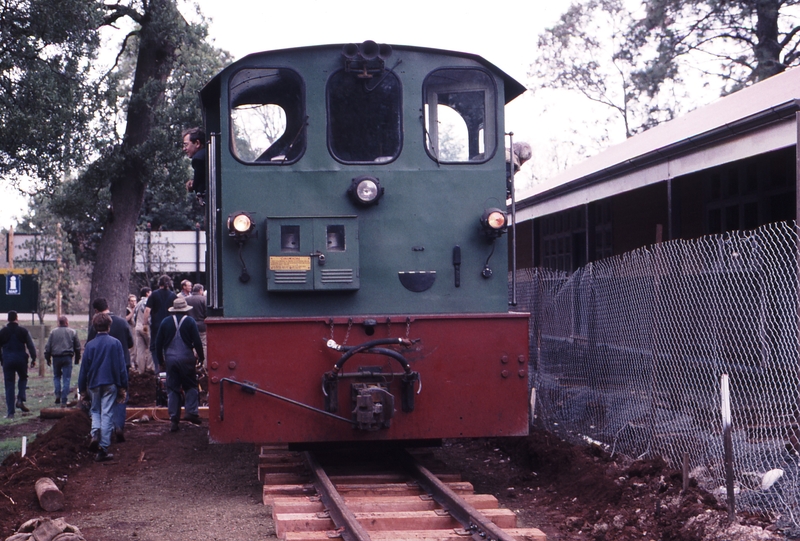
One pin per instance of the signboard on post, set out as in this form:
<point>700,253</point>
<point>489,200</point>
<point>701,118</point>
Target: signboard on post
<point>13,284</point>
<point>21,291</point>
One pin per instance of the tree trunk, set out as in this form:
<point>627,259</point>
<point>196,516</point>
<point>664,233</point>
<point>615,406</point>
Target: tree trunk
<point>767,49</point>
<point>161,29</point>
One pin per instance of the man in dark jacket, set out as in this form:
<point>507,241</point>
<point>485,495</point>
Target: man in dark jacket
<point>105,377</point>
<point>177,338</point>
<point>194,146</point>
<point>156,309</point>
<point>122,332</point>
<point>13,341</point>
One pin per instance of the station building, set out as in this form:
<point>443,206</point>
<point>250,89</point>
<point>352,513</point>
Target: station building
<point>730,165</point>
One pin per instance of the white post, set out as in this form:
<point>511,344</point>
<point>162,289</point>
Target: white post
<point>728,443</point>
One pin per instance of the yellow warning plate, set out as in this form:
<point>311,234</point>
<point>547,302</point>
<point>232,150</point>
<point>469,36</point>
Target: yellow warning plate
<point>289,263</point>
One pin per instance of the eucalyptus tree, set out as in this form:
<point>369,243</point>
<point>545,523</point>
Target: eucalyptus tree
<point>57,112</point>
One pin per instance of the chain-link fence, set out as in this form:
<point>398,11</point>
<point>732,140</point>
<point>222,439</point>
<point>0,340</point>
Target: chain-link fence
<point>629,351</point>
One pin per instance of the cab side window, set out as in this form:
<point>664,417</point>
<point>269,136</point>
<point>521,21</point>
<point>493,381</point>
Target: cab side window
<point>460,121</point>
<point>364,117</point>
<point>268,121</point>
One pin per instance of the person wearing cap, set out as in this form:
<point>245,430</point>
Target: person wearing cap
<point>13,341</point>
<point>197,303</point>
<point>179,349</point>
<point>62,345</point>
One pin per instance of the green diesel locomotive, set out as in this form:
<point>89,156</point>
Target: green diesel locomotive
<point>356,261</point>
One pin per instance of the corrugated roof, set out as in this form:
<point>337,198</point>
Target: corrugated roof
<point>774,99</point>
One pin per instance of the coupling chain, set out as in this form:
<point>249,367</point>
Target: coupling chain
<point>347,334</point>
<point>388,328</point>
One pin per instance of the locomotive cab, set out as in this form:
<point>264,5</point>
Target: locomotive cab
<point>356,198</point>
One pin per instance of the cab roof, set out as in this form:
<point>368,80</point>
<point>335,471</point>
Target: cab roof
<point>513,88</point>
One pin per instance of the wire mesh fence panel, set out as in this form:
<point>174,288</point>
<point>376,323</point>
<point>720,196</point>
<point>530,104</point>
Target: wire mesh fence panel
<point>629,351</point>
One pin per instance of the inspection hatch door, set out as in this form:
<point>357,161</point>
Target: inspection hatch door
<point>312,253</point>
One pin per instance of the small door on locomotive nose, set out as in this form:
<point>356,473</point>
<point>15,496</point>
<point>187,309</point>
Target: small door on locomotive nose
<point>312,253</point>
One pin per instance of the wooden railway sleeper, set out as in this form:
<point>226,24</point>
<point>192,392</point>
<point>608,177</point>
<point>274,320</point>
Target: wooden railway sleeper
<point>480,527</point>
<point>343,518</point>
<point>474,523</point>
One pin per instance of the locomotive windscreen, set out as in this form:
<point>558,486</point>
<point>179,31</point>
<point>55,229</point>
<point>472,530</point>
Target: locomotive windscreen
<point>267,115</point>
<point>459,110</point>
<point>365,121</point>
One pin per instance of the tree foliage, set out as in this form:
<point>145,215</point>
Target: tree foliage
<point>740,41</point>
<point>587,52</point>
<point>641,64</point>
<point>85,201</point>
<point>46,100</point>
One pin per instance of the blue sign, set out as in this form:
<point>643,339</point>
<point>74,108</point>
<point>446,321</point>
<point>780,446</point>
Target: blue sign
<point>13,284</point>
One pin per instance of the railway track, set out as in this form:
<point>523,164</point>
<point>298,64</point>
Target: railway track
<point>384,495</point>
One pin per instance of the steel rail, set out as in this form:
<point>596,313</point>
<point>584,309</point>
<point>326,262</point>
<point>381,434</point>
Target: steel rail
<point>344,519</point>
<point>475,522</point>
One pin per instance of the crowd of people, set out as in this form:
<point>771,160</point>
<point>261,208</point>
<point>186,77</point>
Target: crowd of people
<point>162,333</point>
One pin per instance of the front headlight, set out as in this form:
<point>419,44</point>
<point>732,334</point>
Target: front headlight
<point>240,225</point>
<point>494,222</point>
<point>365,190</point>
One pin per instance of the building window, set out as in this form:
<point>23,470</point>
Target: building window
<point>603,239</point>
<point>749,193</point>
<point>563,240</point>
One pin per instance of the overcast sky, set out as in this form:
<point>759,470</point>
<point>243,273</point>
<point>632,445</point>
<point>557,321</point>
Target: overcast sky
<point>504,33</point>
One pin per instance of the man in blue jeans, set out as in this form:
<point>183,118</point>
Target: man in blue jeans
<point>62,345</point>
<point>122,332</point>
<point>13,341</point>
<point>105,377</point>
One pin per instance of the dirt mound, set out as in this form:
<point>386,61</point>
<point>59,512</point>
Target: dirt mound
<point>141,389</point>
<point>54,454</point>
<point>579,492</point>
<point>584,473</point>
